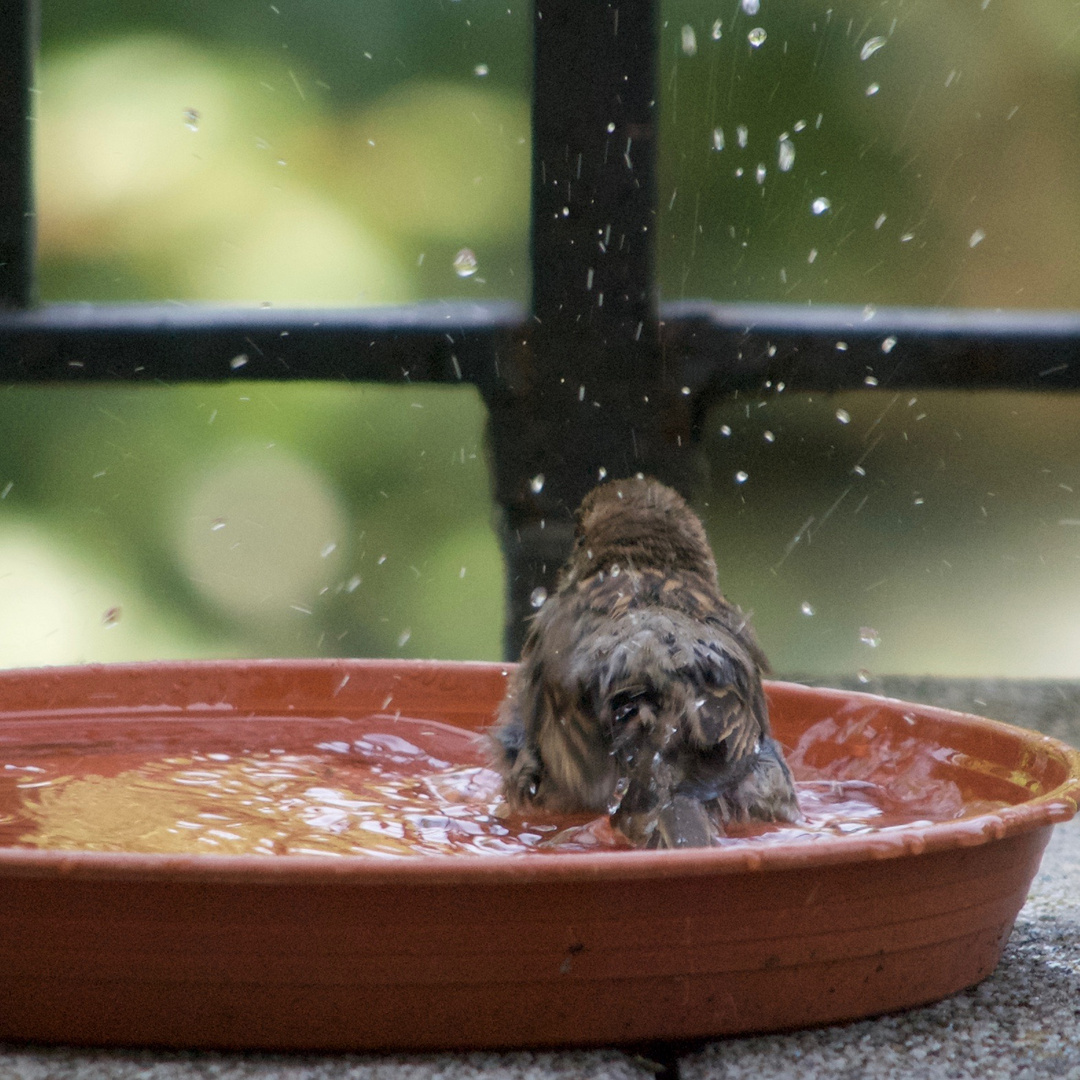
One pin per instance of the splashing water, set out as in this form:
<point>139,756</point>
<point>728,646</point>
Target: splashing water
<point>717,30</point>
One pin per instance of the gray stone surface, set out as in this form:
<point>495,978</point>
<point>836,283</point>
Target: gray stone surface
<point>1023,1022</point>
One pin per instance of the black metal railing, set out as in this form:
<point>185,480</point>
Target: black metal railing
<point>596,373</point>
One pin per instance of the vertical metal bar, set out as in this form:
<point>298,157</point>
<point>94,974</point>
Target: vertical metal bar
<point>18,36</point>
<point>586,389</point>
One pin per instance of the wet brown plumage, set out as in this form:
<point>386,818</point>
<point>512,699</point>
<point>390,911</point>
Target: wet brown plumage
<point>639,689</point>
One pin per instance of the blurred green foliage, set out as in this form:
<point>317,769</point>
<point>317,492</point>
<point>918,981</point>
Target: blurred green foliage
<point>337,153</point>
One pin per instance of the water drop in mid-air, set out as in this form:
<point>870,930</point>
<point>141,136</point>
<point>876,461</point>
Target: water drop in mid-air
<point>786,155</point>
<point>843,416</point>
<point>536,484</point>
<point>869,636</point>
<point>756,37</point>
<point>807,608</point>
<point>751,7</point>
<point>465,264</point>
<point>689,41</point>
<point>870,46</point>
<point>718,138</point>
<point>741,476</point>
<point>538,596</point>
<point>820,205</point>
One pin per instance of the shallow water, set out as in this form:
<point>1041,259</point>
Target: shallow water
<point>396,786</point>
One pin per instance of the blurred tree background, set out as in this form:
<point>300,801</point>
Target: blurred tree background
<point>333,153</point>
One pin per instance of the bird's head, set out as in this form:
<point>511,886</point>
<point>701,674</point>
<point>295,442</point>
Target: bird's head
<point>638,522</point>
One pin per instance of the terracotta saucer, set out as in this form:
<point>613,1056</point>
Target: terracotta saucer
<point>478,951</point>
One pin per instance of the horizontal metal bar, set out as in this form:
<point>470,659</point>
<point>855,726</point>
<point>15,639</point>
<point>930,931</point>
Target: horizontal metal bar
<point>706,345</point>
<point>723,347</point>
<point>436,342</point>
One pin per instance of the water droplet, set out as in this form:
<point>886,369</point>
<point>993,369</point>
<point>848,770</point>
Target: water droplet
<point>480,70</point>
<point>238,361</point>
<point>536,484</point>
<point>756,37</point>
<point>786,155</point>
<point>689,40</point>
<point>869,636</point>
<point>191,119</point>
<point>768,436</point>
<point>880,221</point>
<point>461,572</point>
<point>870,380</point>
<point>353,583</point>
<point>403,637</point>
<point>741,476</point>
<point>566,211</point>
<point>742,135</point>
<point>843,416</point>
<point>686,391</point>
<point>977,237</point>
<point>820,205</point>
<point>538,596</point>
<point>888,344</point>
<point>328,550</point>
<point>759,174</point>
<point>812,256</point>
<point>871,46</point>
<point>718,29</point>
<point>725,430</point>
<point>841,346</point>
<point>907,237</point>
<point>601,472</point>
<point>217,524</point>
<point>718,138</point>
<point>807,608</point>
<point>751,7</point>
<point>611,128</point>
<point>859,470</point>
<point>465,264</point>
<point>863,675</point>
<point>872,89</point>
<point>112,616</point>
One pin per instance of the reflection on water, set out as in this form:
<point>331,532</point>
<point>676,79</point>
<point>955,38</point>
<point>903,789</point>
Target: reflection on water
<point>403,787</point>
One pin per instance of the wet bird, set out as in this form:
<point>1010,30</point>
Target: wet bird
<point>639,689</point>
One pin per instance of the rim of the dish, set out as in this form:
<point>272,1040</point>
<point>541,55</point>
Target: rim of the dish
<point>1050,808</point>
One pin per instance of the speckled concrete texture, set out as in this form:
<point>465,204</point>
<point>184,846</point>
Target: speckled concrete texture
<point>1022,1023</point>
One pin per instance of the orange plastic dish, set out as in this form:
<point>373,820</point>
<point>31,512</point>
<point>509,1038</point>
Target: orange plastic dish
<point>425,952</point>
